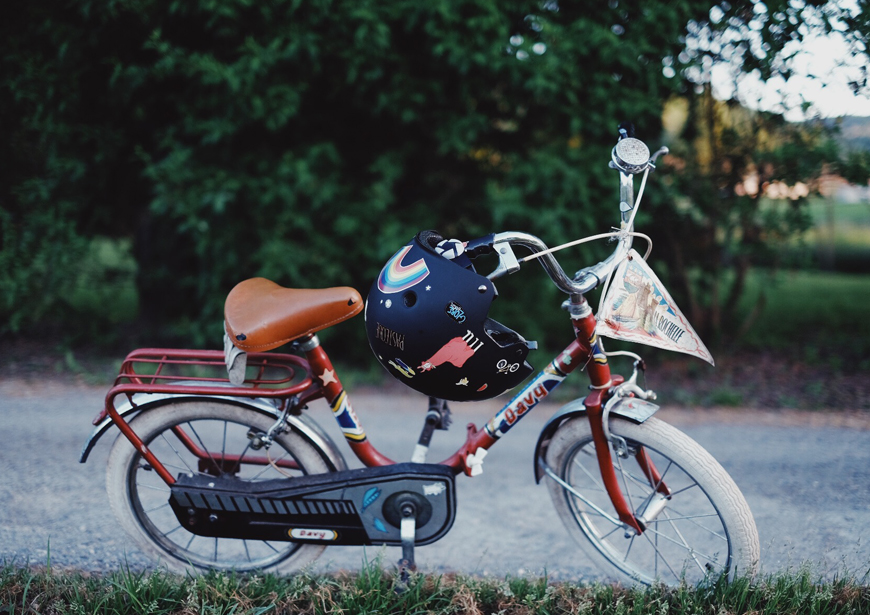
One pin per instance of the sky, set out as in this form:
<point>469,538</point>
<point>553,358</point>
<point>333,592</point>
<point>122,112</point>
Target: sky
<point>823,67</point>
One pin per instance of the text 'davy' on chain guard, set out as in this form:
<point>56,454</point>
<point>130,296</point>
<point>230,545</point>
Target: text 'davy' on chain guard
<point>352,507</point>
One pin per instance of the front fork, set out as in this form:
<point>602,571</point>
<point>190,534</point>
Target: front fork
<point>602,382</point>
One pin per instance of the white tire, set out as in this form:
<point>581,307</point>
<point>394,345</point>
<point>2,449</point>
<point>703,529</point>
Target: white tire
<point>705,529</point>
<point>139,497</point>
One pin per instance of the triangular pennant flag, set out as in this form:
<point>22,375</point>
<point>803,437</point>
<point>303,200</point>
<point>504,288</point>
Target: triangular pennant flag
<point>637,308</point>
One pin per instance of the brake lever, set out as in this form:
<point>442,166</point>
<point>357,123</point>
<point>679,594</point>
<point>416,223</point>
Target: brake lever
<point>507,260</point>
<point>662,151</point>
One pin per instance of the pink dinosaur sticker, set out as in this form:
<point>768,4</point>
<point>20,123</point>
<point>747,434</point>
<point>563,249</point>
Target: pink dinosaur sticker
<point>457,351</point>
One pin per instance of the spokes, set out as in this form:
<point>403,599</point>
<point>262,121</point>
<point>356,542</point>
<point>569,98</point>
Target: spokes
<point>205,448</point>
<point>220,448</point>
<point>691,519</point>
<point>684,536</point>
<point>177,454</point>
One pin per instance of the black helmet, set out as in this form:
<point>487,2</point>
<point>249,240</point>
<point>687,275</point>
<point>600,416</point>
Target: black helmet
<point>427,323</point>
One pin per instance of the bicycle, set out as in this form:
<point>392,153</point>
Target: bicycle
<point>225,471</point>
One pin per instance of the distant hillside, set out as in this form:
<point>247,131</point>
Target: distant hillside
<point>854,132</point>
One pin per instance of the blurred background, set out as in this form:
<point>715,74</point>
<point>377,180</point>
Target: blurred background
<point>156,153</point>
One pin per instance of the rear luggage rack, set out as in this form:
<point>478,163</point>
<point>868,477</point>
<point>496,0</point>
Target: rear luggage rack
<point>284,378</point>
<point>203,372</point>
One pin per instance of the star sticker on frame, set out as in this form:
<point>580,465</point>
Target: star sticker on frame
<point>428,288</point>
<point>327,376</point>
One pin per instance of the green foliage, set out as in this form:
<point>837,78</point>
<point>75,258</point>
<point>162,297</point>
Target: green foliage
<point>65,172</point>
<point>307,141</point>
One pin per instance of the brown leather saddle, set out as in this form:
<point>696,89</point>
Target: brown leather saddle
<point>261,315</point>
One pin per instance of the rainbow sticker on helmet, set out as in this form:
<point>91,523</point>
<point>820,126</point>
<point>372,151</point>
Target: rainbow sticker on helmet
<point>418,335</point>
<point>396,277</point>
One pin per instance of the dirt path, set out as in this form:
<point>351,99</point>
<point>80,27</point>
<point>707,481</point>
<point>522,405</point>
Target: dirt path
<point>805,476</point>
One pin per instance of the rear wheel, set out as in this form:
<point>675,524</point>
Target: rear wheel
<point>701,531</point>
<point>140,499</point>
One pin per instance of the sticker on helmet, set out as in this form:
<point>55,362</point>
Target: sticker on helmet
<point>450,248</point>
<point>390,337</point>
<point>455,311</point>
<point>504,368</point>
<point>403,368</point>
<point>396,277</point>
<point>483,388</point>
<point>463,382</point>
<point>457,351</point>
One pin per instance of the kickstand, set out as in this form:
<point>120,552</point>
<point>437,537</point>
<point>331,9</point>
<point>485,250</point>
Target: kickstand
<point>407,531</point>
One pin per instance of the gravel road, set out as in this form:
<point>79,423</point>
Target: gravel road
<point>806,477</point>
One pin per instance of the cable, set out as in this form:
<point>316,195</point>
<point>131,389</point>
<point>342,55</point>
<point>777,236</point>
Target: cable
<point>624,353</point>
<point>619,233</point>
<point>590,238</point>
<point>637,200</point>
<point>275,465</point>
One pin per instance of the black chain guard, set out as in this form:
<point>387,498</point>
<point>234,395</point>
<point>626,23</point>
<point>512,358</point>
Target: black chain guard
<point>352,507</point>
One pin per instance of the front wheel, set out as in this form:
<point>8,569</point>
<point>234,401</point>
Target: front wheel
<point>214,439</point>
<point>702,530</point>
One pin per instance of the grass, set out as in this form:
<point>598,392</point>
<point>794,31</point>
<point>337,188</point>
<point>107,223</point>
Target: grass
<point>812,313</point>
<point>839,238</point>
<point>844,214</point>
<point>24,591</point>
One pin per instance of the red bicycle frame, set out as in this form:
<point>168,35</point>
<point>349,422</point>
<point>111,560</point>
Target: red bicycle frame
<point>319,379</point>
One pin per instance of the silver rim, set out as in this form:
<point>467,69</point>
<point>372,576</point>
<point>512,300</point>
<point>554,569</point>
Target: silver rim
<point>687,542</point>
<point>149,495</point>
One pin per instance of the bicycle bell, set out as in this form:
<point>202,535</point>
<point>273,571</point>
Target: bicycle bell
<point>630,155</point>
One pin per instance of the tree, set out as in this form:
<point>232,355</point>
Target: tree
<point>718,219</point>
<point>306,141</point>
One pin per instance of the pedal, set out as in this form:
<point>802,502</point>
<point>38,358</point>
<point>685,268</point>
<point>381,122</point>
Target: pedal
<point>404,509</point>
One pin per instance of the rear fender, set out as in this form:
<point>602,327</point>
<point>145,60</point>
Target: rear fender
<point>575,409</point>
<point>143,402</point>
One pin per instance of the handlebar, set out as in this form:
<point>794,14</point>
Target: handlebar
<point>630,157</point>
<point>583,282</point>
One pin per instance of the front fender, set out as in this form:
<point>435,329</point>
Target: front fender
<point>143,402</point>
<point>636,413</point>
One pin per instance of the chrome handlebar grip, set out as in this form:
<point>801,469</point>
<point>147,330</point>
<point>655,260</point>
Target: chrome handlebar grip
<point>535,245</point>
